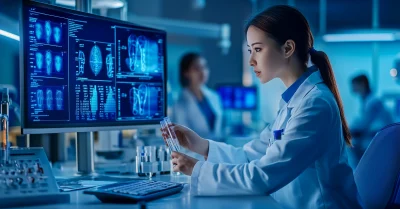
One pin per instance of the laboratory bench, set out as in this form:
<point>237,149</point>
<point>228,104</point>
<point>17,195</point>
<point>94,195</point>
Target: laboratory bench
<point>182,199</point>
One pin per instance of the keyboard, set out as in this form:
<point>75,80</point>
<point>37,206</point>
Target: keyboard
<point>134,191</point>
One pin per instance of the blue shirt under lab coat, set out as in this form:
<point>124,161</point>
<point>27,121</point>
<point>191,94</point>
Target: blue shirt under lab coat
<point>307,168</point>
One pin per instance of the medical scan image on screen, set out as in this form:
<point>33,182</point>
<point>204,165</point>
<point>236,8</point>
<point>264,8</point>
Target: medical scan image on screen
<point>139,100</point>
<point>48,32</point>
<point>139,53</point>
<point>85,70</point>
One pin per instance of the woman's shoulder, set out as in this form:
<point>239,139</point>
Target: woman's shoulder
<point>320,97</point>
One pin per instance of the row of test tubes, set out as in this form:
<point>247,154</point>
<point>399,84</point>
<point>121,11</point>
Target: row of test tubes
<point>169,135</point>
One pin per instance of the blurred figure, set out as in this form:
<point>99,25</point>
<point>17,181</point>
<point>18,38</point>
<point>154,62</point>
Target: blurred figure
<point>197,107</point>
<point>372,117</point>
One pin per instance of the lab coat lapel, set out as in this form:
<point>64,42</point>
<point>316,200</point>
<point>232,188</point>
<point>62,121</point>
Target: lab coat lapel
<point>194,111</point>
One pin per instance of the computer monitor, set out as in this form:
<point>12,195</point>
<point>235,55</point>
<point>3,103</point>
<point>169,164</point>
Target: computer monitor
<point>237,97</point>
<point>82,72</point>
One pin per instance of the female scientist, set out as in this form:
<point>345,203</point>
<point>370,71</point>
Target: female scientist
<point>197,107</point>
<point>301,161</point>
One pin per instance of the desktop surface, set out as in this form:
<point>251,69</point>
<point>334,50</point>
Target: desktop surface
<point>179,200</point>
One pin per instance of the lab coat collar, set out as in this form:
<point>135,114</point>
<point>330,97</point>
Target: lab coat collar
<point>314,79</point>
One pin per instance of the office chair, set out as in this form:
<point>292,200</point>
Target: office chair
<point>377,175</point>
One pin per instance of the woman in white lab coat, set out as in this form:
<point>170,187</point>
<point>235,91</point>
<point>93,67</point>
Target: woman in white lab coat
<point>197,107</point>
<point>306,165</point>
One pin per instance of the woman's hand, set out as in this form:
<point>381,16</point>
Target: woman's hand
<point>189,139</point>
<point>183,163</point>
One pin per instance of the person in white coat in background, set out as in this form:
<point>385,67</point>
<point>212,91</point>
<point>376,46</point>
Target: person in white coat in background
<point>197,107</point>
<point>301,159</point>
<point>372,117</point>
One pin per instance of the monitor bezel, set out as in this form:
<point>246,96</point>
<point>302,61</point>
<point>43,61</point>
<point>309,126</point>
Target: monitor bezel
<point>83,127</point>
<point>238,85</point>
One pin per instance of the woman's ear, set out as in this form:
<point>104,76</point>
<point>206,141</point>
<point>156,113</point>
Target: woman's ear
<point>289,48</point>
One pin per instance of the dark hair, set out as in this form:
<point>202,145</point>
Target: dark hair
<point>282,23</point>
<point>363,80</point>
<point>186,62</point>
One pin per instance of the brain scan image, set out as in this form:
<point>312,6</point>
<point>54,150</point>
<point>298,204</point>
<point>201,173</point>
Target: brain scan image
<point>57,34</point>
<point>39,60</point>
<point>38,31</point>
<point>94,102</point>
<point>137,49</point>
<point>95,60</point>
<point>49,62</point>
<point>58,63</point>
<point>48,30</point>
<point>49,99</point>
<point>110,66</point>
<point>138,98</point>
<point>39,98</point>
<point>59,100</point>
<point>81,63</point>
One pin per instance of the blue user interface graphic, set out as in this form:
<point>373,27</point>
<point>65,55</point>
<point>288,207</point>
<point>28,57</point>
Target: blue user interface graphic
<point>84,70</point>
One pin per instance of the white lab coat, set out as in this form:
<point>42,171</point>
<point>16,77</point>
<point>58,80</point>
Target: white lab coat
<point>187,112</point>
<point>306,169</point>
<point>373,117</point>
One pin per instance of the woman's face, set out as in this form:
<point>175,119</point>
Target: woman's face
<point>198,72</point>
<point>266,56</point>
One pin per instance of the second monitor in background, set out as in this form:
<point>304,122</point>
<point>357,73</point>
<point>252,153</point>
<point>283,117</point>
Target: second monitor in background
<point>238,97</point>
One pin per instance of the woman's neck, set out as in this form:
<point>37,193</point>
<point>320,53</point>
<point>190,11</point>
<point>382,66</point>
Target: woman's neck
<point>292,74</point>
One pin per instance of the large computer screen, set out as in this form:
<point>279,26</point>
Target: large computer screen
<point>238,97</point>
<point>82,72</point>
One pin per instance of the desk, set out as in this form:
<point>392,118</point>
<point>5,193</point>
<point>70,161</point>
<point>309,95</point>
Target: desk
<point>178,201</point>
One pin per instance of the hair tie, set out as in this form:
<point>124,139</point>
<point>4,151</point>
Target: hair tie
<point>312,50</point>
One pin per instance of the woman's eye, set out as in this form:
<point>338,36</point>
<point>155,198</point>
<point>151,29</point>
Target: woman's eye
<point>249,51</point>
<point>257,49</point>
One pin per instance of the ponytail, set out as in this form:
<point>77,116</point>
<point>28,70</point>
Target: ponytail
<point>321,60</point>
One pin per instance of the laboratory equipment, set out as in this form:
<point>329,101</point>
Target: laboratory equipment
<point>27,179</point>
<point>169,135</point>
<point>4,126</point>
<point>151,160</point>
<point>135,191</point>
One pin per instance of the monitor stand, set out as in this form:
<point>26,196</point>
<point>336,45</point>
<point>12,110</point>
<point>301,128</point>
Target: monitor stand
<point>85,153</point>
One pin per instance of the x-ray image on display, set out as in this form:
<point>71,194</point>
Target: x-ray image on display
<point>49,99</point>
<point>137,49</point>
<point>57,34</point>
<point>94,60</point>
<point>81,63</point>
<point>58,63</point>
<point>139,52</point>
<point>48,31</point>
<point>39,98</point>
<point>59,100</point>
<point>110,65</point>
<point>38,30</point>
<point>139,100</point>
<point>49,62</point>
<point>39,61</point>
